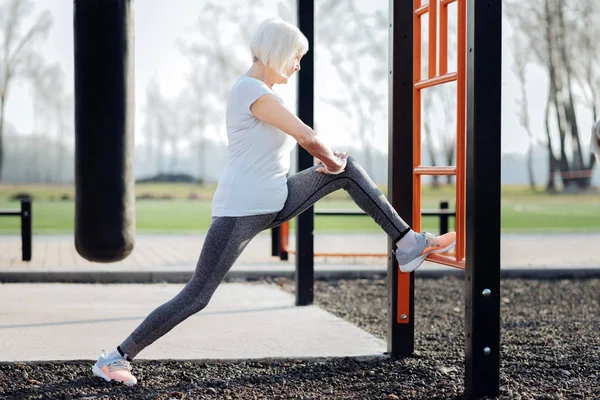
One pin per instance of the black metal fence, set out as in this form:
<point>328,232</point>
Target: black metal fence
<point>25,214</point>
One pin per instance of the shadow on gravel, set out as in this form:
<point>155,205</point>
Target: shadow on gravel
<point>373,378</point>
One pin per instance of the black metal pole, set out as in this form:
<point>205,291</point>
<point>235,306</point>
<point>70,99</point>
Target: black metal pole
<point>444,218</point>
<point>400,169</point>
<point>482,275</point>
<point>275,241</point>
<point>305,221</point>
<point>104,129</point>
<point>26,229</point>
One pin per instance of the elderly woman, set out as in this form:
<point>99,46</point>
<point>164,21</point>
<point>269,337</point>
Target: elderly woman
<point>254,194</point>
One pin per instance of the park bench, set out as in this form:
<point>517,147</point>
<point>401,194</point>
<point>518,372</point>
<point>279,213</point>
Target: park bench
<point>25,214</point>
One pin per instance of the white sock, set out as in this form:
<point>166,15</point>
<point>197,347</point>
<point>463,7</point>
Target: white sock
<point>408,241</point>
<point>114,354</point>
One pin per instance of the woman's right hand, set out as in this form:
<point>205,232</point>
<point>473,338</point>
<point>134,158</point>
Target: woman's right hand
<point>336,165</point>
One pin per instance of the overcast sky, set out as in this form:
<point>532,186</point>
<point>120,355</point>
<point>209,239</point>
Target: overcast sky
<point>157,25</point>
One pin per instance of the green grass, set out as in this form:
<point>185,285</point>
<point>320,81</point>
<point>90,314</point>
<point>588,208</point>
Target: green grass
<point>522,210</point>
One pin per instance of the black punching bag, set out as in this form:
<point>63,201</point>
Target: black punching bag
<point>104,107</point>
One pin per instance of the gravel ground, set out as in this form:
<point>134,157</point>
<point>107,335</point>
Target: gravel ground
<point>550,350</point>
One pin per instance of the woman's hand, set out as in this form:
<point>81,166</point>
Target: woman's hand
<point>339,164</point>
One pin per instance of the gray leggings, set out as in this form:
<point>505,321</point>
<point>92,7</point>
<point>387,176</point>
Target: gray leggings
<point>227,237</point>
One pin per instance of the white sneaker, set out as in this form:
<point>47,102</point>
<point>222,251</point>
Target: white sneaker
<point>427,243</point>
<point>114,369</point>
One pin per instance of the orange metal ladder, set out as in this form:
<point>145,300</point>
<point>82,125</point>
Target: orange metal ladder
<point>436,77</point>
<point>433,79</point>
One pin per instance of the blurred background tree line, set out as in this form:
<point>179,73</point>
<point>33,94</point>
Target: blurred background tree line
<point>183,134</point>
<point>561,36</point>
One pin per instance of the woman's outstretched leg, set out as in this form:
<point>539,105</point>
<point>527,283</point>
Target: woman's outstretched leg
<point>308,186</point>
<point>225,241</point>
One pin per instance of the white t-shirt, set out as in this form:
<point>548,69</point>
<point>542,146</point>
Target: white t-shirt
<point>258,157</point>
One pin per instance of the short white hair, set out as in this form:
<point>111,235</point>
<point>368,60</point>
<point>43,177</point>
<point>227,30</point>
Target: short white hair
<point>276,43</point>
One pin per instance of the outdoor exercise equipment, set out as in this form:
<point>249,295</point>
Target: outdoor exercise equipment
<point>104,179</point>
<point>104,107</point>
<point>477,173</point>
<point>280,234</point>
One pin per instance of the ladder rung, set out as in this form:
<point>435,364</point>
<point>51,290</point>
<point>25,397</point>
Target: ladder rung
<point>449,260</point>
<point>435,170</point>
<point>447,2</point>
<point>438,80</point>
<point>422,10</point>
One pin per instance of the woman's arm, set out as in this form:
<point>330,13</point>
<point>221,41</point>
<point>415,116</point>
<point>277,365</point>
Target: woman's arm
<point>271,110</point>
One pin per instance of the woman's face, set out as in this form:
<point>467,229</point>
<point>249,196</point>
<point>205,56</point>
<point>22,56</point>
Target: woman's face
<point>294,66</point>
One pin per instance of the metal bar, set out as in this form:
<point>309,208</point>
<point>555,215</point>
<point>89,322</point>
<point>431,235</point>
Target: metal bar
<point>351,255</point>
<point>447,2</point>
<point>438,80</point>
<point>419,11</point>
<point>403,40</point>
<point>435,170</point>
<point>340,212</point>
<point>416,122</point>
<point>447,260</point>
<point>444,218</point>
<point>482,277</point>
<point>432,54</point>
<point>9,213</point>
<point>348,213</point>
<point>26,229</point>
<point>461,130</point>
<point>443,38</point>
<point>275,241</point>
<point>306,220</point>
<point>284,241</point>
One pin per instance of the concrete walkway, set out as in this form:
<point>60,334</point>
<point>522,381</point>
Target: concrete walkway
<point>518,250</point>
<point>160,254</point>
<point>54,321</point>
<point>74,322</point>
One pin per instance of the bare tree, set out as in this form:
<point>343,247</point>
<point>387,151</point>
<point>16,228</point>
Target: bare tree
<point>521,55</point>
<point>155,126</point>
<point>218,52</point>
<point>554,30</point>
<point>18,43</point>
<point>357,45</point>
<point>587,65</point>
<point>446,109</point>
<point>429,141</point>
<point>47,82</point>
<point>166,126</point>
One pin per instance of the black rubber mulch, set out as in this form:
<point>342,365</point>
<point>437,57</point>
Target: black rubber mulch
<point>550,350</point>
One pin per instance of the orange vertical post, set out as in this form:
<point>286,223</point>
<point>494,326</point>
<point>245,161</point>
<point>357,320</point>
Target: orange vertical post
<point>403,314</point>
<point>432,58</point>
<point>443,38</point>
